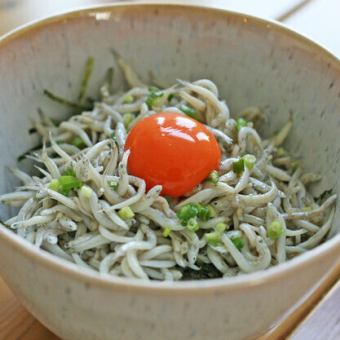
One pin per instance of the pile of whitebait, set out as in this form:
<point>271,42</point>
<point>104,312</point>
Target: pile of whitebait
<point>251,214</point>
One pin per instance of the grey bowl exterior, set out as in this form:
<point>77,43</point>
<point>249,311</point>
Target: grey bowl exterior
<point>254,62</point>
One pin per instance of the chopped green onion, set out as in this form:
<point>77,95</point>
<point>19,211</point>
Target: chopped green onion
<point>154,95</point>
<point>191,112</point>
<point>238,242</point>
<point>113,184</point>
<point>64,184</point>
<point>68,180</point>
<point>153,89</point>
<point>193,210</point>
<point>221,227</point>
<point>68,183</point>
<point>85,191</point>
<point>128,118</point>
<point>213,238</point>
<point>78,142</point>
<point>166,231</point>
<point>192,224</point>
<point>238,166</point>
<point>203,212</point>
<point>249,161</point>
<point>86,78</point>
<point>214,177</point>
<point>280,152</point>
<point>171,96</point>
<point>275,230</point>
<point>186,212</point>
<point>126,213</point>
<point>54,185</point>
<point>240,123</point>
<point>128,99</point>
<point>212,212</point>
<point>69,172</point>
<point>113,136</point>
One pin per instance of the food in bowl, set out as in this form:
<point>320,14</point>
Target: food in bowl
<point>163,183</point>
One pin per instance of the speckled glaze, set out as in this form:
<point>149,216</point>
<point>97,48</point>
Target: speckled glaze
<point>253,62</point>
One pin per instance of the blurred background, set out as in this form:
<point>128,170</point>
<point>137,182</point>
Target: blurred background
<point>317,19</point>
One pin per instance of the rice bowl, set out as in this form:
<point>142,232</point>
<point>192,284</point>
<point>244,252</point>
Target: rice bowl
<point>71,296</point>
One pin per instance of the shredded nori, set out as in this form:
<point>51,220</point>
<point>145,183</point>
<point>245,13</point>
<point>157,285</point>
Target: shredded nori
<point>66,102</point>
<point>86,77</point>
<point>207,271</point>
<point>326,194</point>
<point>23,156</point>
<point>77,106</point>
<point>109,78</point>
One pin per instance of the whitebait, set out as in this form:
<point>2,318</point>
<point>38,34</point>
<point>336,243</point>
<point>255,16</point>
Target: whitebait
<point>84,207</point>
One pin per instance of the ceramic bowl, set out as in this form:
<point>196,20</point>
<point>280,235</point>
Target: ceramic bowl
<point>254,62</point>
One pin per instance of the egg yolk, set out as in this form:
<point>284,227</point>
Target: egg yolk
<point>172,150</point>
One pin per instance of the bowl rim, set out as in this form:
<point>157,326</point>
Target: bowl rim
<point>270,275</point>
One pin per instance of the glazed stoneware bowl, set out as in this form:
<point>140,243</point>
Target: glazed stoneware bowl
<point>254,62</point>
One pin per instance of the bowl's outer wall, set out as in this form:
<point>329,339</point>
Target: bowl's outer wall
<point>76,309</point>
<point>253,64</point>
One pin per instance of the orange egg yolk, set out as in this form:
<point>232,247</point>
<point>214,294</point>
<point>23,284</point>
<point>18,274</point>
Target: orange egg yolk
<point>172,150</point>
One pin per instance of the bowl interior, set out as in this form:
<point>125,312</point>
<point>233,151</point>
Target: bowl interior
<point>252,62</point>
